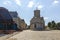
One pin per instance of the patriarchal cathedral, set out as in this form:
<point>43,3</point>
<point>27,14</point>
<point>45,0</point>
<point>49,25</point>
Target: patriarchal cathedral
<point>37,22</point>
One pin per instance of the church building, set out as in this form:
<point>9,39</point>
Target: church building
<point>37,22</point>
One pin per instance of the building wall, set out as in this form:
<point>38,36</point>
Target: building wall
<point>17,22</point>
<point>23,24</point>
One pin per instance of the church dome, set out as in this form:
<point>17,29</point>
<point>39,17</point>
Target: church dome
<point>4,14</point>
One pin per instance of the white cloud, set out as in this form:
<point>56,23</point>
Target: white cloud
<point>18,2</point>
<point>7,2</point>
<point>40,6</point>
<point>55,2</point>
<point>46,18</point>
<point>30,4</point>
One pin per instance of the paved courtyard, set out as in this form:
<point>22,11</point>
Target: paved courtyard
<point>36,35</point>
<point>6,36</point>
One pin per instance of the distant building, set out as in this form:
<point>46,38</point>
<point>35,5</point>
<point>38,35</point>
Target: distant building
<point>20,22</point>
<point>9,20</point>
<point>14,14</point>
<point>37,22</point>
<point>6,21</point>
<point>15,17</point>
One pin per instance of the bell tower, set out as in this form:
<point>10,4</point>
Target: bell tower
<point>36,13</point>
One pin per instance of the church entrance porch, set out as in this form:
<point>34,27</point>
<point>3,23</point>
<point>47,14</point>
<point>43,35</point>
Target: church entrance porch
<point>38,27</point>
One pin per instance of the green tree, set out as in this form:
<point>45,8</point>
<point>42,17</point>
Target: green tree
<point>58,25</point>
<point>49,25</point>
<point>53,25</point>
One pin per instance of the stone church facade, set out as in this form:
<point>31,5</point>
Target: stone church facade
<point>37,22</point>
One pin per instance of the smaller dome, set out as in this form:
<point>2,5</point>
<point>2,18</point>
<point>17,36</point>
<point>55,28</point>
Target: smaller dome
<point>3,9</point>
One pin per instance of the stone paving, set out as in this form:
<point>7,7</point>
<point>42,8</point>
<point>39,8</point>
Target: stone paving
<point>6,36</point>
<point>36,35</point>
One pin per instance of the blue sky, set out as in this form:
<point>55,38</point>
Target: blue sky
<point>50,9</point>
